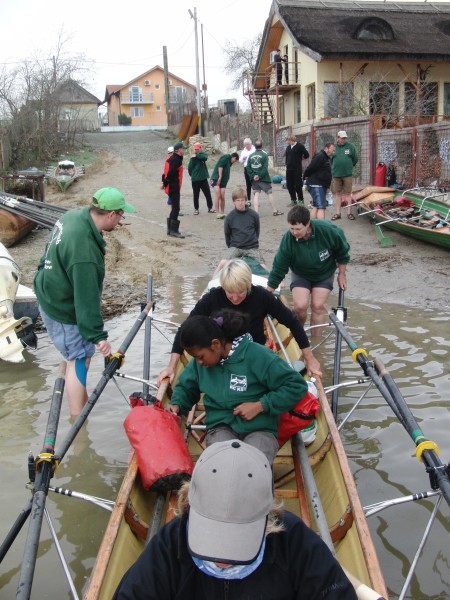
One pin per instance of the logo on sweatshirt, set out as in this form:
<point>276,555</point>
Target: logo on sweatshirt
<point>238,383</point>
<point>324,254</point>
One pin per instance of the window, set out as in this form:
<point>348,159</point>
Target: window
<point>158,107</point>
<point>337,99</point>
<point>311,100</point>
<point>68,115</point>
<point>422,101</point>
<point>135,94</point>
<point>297,108</point>
<point>136,111</point>
<point>178,94</point>
<point>296,66</point>
<point>374,28</point>
<point>157,86</point>
<point>384,98</point>
<point>446,98</point>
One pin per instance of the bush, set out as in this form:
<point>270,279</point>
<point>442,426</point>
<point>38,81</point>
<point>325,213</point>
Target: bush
<point>124,119</point>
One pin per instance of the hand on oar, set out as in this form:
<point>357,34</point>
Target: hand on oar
<point>104,347</point>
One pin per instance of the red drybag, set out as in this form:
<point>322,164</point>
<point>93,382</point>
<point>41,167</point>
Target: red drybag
<point>300,417</point>
<point>163,458</point>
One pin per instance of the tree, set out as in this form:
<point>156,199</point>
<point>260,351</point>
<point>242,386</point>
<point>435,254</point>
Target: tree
<point>241,59</point>
<point>30,102</point>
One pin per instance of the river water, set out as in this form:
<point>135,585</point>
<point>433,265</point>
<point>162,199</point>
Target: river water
<point>413,344</point>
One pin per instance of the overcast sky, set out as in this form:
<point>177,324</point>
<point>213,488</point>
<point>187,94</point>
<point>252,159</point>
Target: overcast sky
<point>125,42</point>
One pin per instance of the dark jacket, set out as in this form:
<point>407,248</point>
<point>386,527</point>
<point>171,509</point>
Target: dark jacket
<point>294,157</point>
<point>241,229</point>
<point>318,172</point>
<point>297,565</point>
<point>174,178</point>
<point>258,304</point>
<point>197,168</point>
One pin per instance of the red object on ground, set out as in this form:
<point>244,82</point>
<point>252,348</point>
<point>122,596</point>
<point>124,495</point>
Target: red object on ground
<point>380,175</point>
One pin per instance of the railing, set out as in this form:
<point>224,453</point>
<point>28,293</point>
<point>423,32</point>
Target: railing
<point>127,98</point>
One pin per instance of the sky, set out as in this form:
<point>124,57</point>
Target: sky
<point>125,42</point>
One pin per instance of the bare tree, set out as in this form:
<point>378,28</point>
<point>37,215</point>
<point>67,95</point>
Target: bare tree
<point>29,99</point>
<point>241,59</point>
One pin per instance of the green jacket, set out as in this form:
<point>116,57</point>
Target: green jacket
<point>258,164</point>
<point>69,281</point>
<point>251,373</point>
<point>344,159</point>
<point>315,259</point>
<point>224,162</point>
<point>197,168</point>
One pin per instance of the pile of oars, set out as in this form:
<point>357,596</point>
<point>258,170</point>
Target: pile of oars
<point>41,213</point>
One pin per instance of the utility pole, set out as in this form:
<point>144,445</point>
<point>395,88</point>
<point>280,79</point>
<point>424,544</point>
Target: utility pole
<point>166,83</point>
<point>204,86</point>
<point>197,69</point>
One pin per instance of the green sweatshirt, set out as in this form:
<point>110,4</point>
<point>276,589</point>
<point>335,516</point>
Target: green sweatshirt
<point>258,164</point>
<point>314,259</point>
<point>69,281</point>
<point>197,168</point>
<point>344,159</point>
<point>251,373</point>
<point>224,162</point>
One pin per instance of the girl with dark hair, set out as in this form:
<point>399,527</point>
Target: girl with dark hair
<point>246,386</point>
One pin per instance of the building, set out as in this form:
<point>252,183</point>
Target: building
<point>348,59</point>
<point>143,99</point>
<point>77,108</point>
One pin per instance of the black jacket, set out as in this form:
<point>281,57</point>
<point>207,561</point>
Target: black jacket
<point>175,174</point>
<point>318,172</point>
<point>294,157</point>
<point>297,565</point>
<point>258,304</point>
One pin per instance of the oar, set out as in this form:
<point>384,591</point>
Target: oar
<point>114,363</point>
<point>45,465</point>
<point>341,315</point>
<point>426,450</point>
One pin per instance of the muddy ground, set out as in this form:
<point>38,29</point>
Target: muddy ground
<point>410,273</point>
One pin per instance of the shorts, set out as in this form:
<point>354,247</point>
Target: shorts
<point>67,339</point>
<point>301,282</point>
<point>240,252</point>
<point>261,186</point>
<point>213,183</point>
<point>342,184</point>
<point>318,195</point>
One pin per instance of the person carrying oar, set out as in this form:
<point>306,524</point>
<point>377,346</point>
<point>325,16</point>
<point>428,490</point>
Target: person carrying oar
<point>69,283</point>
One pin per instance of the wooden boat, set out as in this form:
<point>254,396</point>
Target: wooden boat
<point>139,513</point>
<point>419,213</point>
<point>13,227</point>
<point>64,174</point>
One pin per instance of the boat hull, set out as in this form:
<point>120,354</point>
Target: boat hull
<point>13,227</point>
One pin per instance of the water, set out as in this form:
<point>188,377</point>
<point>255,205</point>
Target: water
<point>414,346</point>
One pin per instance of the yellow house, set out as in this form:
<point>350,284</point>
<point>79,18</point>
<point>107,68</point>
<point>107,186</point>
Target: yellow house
<point>347,58</point>
<point>144,100</point>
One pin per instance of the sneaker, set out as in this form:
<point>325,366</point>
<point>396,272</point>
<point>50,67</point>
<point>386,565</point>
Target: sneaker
<point>220,216</point>
<point>309,433</point>
<point>292,203</point>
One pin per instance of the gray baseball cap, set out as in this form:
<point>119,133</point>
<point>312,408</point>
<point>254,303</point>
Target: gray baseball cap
<point>230,496</point>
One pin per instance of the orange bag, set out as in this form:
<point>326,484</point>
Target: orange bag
<point>300,417</point>
<point>163,457</point>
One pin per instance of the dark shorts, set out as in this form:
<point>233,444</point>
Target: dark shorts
<point>67,339</point>
<point>301,282</point>
<point>214,183</point>
<point>261,186</point>
<point>318,195</point>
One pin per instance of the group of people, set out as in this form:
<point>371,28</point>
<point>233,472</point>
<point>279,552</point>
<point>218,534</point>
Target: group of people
<point>245,386</point>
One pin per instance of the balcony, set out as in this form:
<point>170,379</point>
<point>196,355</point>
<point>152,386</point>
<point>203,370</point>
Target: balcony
<point>146,98</point>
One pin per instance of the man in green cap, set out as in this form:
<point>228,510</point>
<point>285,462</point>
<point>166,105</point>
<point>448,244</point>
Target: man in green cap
<point>69,284</point>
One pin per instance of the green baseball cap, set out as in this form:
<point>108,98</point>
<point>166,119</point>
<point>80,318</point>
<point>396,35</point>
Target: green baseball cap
<point>111,199</point>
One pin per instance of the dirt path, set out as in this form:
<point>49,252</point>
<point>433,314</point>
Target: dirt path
<point>410,273</point>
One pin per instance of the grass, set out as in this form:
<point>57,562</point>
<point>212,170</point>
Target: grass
<point>79,157</point>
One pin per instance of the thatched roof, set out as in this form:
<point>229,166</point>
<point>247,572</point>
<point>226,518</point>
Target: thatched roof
<point>352,30</point>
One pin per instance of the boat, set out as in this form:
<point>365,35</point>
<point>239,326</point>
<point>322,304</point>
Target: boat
<point>64,173</point>
<point>15,326</point>
<point>13,227</point>
<point>420,213</point>
<point>319,470</point>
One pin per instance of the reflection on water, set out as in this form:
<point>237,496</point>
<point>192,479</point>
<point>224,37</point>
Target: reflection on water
<point>413,344</point>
